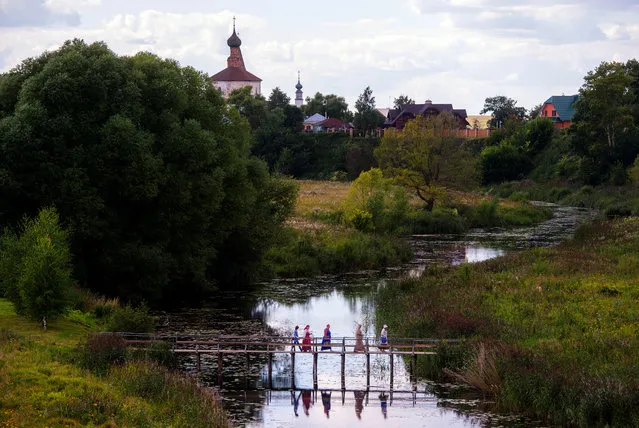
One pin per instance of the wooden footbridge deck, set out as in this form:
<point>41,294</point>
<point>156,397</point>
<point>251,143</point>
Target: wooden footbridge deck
<point>269,346</point>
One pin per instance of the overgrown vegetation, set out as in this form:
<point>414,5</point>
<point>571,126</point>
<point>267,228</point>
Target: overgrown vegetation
<point>565,319</point>
<point>47,380</point>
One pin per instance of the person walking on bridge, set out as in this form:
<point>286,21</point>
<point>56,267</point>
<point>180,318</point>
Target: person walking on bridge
<point>296,338</point>
<point>359,339</point>
<point>383,336</point>
<point>306,342</point>
<point>326,339</point>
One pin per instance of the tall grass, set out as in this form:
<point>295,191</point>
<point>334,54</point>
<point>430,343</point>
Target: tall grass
<point>566,319</point>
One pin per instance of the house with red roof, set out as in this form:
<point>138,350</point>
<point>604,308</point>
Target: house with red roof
<point>235,75</point>
<point>560,109</point>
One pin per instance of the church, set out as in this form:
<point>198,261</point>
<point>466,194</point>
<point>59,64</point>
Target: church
<point>235,75</point>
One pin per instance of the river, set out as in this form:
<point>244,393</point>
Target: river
<point>277,306</point>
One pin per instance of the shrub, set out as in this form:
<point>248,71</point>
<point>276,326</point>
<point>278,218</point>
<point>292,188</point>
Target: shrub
<point>132,319</point>
<point>485,214</point>
<point>362,220</point>
<point>102,350</point>
<point>519,196</point>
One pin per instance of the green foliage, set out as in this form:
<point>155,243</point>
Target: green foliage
<point>326,251</point>
<point>618,174</point>
<point>147,166</point>
<point>36,267</point>
<point>402,100</point>
<point>367,119</point>
<point>502,108</point>
<point>503,163</point>
<point>372,195</point>
<point>427,158</point>
<point>101,351</point>
<point>330,105</point>
<point>633,172</point>
<point>604,128</point>
<point>131,319</point>
<point>485,214</point>
<point>439,220</point>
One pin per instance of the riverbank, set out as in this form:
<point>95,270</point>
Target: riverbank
<point>552,332</point>
<point>320,240</point>
<point>44,382</point>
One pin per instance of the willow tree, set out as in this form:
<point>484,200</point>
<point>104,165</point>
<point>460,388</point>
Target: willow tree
<point>428,157</point>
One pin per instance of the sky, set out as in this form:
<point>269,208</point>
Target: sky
<point>448,51</point>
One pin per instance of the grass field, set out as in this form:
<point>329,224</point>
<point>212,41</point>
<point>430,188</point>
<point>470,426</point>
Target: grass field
<point>558,327</point>
<point>42,384</point>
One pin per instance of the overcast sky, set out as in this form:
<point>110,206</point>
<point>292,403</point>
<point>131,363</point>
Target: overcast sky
<point>449,51</point>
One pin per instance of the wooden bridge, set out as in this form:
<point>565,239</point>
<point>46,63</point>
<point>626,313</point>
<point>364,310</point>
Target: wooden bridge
<point>340,347</point>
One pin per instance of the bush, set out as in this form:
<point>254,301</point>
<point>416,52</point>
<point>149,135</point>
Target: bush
<point>101,351</point>
<point>132,320</point>
<point>362,220</point>
<point>437,221</point>
<point>485,214</point>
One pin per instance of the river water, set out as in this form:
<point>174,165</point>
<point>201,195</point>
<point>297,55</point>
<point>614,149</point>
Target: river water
<point>342,300</point>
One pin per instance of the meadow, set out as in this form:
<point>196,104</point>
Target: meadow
<point>553,332</point>
<point>45,381</point>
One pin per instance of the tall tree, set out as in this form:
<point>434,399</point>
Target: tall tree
<point>277,99</point>
<point>402,100</point>
<point>330,105</point>
<point>147,166</point>
<point>502,108</point>
<point>533,113</point>
<point>367,119</point>
<point>427,157</point>
<point>604,127</point>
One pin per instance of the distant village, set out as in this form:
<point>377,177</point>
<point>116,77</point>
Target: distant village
<point>558,108</point>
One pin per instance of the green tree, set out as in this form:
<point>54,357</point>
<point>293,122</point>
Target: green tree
<point>367,119</point>
<point>502,108</point>
<point>402,100</point>
<point>278,99</point>
<point>331,105</point>
<point>533,113</point>
<point>371,196</point>
<point>604,127</point>
<point>427,157</point>
<point>146,164</point>
<point>253,108</point>
<point>36,267</point>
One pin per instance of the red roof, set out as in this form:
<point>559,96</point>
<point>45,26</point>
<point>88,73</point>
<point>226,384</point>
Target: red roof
<point>333,123</point>
<point>235,74</point>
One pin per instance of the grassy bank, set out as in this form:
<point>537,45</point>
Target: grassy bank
<point>613,201</point>
<point>553,332</point>
<point>44,382</point>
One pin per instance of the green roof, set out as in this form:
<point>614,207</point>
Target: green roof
<point>563,105</point>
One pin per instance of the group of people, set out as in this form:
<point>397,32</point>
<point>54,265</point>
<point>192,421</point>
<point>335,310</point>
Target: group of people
<point>326,338</point>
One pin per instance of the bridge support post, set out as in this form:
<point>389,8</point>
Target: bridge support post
<point>343,363</point>
<point>219,367</point>
<point>368,366</point>
<point>413,364</point>
<point>315,369</point>
<point>269,382</point>
<point>391,370</point>
<point>293,370</point>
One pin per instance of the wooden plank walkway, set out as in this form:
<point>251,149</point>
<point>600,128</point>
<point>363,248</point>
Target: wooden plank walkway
<point>269,346</point>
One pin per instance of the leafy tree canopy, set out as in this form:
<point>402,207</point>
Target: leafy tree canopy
<point>502,108</point>
<point>427,157</point>
<point>278,99</point>
<point>331,105</point>
<point>147,166</point>
<point>367,119</point>
<point>402,100</point>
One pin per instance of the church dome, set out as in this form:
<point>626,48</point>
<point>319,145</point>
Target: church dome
<point>234,41</point>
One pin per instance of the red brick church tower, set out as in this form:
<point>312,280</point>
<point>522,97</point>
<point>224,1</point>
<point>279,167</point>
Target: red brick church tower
<point>235,75</point>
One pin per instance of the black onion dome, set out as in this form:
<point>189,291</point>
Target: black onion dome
<point>234,41</point>
<point>299,85</point>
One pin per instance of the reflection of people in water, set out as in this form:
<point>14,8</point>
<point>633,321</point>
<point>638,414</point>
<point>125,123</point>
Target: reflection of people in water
<point>306,341</point>
<point>295,401</point>
<point>359,403</point>
<point>326,402</point>
<point>306,400</point>
<point>326,339</point>
<point>359,339</point>
<point>383,398</point>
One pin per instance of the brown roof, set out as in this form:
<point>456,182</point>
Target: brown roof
<point>332,123</point>
<point>235,74</point>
